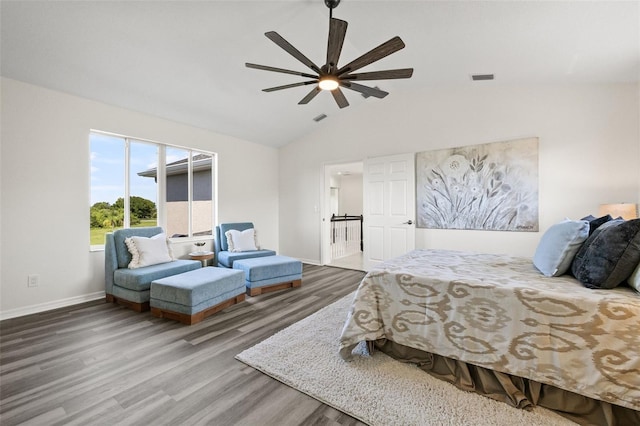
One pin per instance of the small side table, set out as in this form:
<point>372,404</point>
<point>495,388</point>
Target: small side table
<point>202,256</point>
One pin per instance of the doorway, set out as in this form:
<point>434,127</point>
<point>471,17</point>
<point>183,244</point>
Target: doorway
<point>342,219</point>
<point>389,208</point>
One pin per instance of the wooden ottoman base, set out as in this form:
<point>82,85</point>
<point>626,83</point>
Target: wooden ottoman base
<point>269,273</point>
<point>255,291</point>
<point>199,316</point>
<point>138,307</point>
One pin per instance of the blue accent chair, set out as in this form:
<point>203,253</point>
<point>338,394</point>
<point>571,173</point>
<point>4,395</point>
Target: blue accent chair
<point>224,257</point>
<point>131,287</point>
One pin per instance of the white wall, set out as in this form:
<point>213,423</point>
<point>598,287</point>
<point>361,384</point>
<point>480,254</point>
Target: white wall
<point>351,195</point>
<point>588,153</point>
<point>638,169</point>
<point>45,191</point>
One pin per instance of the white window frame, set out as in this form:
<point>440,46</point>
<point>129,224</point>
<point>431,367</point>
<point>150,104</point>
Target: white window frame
<point>161,182</point>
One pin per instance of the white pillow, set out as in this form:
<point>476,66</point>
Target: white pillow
<point>634,279</point>
<point>559,245</point>
<point>242,240</point>
<point>148,251</point>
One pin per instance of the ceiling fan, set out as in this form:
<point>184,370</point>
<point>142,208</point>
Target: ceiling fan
<point>331,77</point>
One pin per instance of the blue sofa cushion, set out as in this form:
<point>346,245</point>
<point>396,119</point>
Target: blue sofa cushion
<point>195,287</point>
<point>140,279</point>
<point>264,268</point>
<point>122,252</point>
<point>226,258</point>
<point>224,227</point>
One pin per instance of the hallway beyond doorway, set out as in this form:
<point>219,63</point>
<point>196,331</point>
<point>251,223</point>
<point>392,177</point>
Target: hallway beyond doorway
<point>353,261</point>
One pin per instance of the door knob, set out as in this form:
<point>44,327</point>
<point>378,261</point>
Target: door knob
<point>409,222</point>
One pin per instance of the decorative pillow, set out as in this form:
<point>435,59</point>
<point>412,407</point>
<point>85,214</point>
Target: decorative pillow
<point>595,222</point>
<point>148,251</point>
<point>242,240</point>
<point>610,254</point>
<point>559,245</point>
<point>634,279</point>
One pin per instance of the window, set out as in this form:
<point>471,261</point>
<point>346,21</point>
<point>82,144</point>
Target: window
<point>189,193</point>
<point>126,184</point>
<point>143,192</point>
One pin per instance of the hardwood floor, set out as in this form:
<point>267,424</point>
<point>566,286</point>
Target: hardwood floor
<point>101,364</point>
<point>353,261</point>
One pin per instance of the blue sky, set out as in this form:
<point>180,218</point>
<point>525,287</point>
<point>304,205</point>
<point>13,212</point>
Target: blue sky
<point>107,168</point>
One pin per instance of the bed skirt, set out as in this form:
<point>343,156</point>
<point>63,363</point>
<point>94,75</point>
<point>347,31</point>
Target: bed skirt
<point>515,391</point>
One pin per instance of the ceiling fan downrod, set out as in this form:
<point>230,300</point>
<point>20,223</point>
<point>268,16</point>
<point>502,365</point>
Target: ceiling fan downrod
<point>331,4</point>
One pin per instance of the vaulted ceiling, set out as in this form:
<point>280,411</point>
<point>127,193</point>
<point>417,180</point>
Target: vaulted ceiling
<point>184,60</point>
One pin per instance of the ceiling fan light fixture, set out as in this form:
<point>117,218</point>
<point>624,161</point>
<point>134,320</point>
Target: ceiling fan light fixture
<point>328,82</point>
<point>331,77</point>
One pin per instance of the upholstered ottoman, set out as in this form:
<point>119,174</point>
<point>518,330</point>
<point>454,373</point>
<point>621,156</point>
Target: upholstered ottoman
<point>192,296</point>
<point>269,273</point>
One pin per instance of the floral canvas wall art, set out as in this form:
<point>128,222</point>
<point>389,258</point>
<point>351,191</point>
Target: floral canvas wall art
<point>491,186</point>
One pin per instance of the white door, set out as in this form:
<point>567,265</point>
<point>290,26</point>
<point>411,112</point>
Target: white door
<point>389,207</point>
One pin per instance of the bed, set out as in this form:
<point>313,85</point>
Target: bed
<point>494,324</point>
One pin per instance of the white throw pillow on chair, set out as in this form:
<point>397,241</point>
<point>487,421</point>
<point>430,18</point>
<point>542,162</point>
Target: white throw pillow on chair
<point>239,241</point>
<point>148,251</point>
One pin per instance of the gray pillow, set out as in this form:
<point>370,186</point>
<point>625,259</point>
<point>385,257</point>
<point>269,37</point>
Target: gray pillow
<point>609,256</point>
<point>559,245</point>
<point>595,222</point>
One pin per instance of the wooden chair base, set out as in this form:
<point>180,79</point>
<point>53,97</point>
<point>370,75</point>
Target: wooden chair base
<point>199,316</point>
<point>255,291</point>
<point>138,307</point>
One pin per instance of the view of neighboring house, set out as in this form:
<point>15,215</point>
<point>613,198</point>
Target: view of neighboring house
<point>177,196</point>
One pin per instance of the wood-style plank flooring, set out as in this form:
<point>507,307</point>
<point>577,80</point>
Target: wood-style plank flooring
<point>100,364</point>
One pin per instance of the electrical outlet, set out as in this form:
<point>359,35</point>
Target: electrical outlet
<point>33,280</point>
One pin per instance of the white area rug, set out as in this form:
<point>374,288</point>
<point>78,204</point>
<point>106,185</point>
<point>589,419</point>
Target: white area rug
<point>377,389</point>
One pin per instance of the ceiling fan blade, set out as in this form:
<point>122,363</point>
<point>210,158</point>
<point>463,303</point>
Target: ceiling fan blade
<point>289,86</point>
<point>375,54</point>
<point>337,33</point>
<point>284,44</point>
<point>312,94</point>
<point>282,70</point>
<point>365,90</point>
<point>339,97</point>
<point>380,75</point>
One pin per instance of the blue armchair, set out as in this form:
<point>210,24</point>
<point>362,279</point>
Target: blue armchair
<point>224,257</point>
<point>131,287</point>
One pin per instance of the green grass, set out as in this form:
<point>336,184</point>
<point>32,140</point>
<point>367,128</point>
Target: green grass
<point>97,234</point>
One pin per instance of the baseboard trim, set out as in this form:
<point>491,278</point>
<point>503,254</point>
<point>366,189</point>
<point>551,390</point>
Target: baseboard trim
<point>43,307</point>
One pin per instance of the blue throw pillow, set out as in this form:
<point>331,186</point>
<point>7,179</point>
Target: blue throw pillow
<point>595,222</point>
<point>558,246</point>
<point>609,256</point>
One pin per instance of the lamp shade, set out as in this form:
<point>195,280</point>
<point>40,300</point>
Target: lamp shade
<point>625,210</point>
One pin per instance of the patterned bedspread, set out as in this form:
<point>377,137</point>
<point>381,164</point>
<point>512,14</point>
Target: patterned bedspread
<point>499,312</point>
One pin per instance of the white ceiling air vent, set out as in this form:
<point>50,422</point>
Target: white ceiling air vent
<point>320,117</point>
<point>480,77</point>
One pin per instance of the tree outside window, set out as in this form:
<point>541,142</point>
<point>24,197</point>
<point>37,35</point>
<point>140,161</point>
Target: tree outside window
<point>126,169</point>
